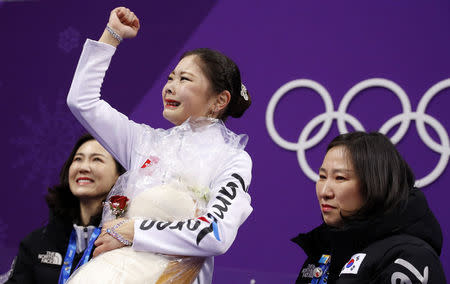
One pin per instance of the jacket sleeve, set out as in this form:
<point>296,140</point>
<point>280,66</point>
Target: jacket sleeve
<point>415,265</point>
<point>210,234</point>
<point>111,128</point>
<point>23,265</point>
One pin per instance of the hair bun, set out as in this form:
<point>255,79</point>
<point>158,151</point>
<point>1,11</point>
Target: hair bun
<point>241,104</point>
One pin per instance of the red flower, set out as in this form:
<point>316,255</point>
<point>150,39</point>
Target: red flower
<point>119,201</point>
<point>118,204</point>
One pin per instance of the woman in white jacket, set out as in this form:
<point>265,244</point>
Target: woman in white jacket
<point>199,154</point>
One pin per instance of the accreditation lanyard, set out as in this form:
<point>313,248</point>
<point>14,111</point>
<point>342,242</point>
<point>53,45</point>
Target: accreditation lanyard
<point>70,254</point>
<point>321,272</point>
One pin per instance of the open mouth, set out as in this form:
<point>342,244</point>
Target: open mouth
<point>172,103</point>
<point>84,180</point>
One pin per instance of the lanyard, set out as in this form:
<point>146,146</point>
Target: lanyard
<point>321,272</point>
<point>70,254</point>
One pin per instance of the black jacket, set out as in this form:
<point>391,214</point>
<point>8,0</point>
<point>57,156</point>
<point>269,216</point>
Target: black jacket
<point>42,252</point>
<point>403,244</point>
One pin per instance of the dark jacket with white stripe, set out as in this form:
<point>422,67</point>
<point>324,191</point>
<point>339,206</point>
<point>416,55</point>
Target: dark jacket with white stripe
<point>403,245</point>
<point>42,252</point>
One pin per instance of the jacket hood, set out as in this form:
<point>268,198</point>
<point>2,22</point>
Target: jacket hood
<point>419,221</point>
<point>415,219</point>
<point>54,217</point>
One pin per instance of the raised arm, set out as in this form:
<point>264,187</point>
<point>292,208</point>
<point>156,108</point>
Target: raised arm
<point>111,128</point>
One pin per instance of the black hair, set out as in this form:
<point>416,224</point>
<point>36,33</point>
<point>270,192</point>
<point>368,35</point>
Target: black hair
<point>385,177</point>
<point>59,198</point>
<point>224,75</point>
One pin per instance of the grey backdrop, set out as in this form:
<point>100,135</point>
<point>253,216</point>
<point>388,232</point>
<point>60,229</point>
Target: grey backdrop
<point>337,44</point>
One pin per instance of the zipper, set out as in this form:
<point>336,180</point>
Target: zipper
<point>85,230</point>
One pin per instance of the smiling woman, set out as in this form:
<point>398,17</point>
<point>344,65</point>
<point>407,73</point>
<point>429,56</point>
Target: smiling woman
<point>91,176</point>
<point>91,173</point>
<point>377,227</point>
<point>75,211</point>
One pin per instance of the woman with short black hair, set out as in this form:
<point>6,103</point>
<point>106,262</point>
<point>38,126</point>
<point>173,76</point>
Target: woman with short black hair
<point>377,226</point>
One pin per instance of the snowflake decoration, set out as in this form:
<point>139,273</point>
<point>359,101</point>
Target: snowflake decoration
<point>46,143</point>
<point>69,39</point>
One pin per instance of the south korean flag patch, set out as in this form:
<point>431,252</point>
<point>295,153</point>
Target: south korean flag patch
<point>352,266</point>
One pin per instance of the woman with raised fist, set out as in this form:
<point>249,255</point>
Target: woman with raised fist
<point>187,186</point>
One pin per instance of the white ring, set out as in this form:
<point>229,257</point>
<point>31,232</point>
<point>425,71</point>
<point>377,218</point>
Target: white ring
<point>370,83</point>
<point>279,94</point>
<point>404,119</point>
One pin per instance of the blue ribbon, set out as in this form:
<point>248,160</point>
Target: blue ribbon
<point>70,254</point>
<point>324,265</point>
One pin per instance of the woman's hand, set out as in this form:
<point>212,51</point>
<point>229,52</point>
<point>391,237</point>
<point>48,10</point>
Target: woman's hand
<point>124,22</point>
<point>106,242</point>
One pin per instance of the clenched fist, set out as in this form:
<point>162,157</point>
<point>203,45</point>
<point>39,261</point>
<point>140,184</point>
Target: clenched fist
<point>124,22</point>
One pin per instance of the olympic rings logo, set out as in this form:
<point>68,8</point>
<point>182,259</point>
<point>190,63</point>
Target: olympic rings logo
<point>343,117</point>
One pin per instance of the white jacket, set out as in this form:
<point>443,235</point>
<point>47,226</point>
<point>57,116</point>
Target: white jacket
<point>229,205</point>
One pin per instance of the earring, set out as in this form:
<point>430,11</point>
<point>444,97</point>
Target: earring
<point>210,114</point>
